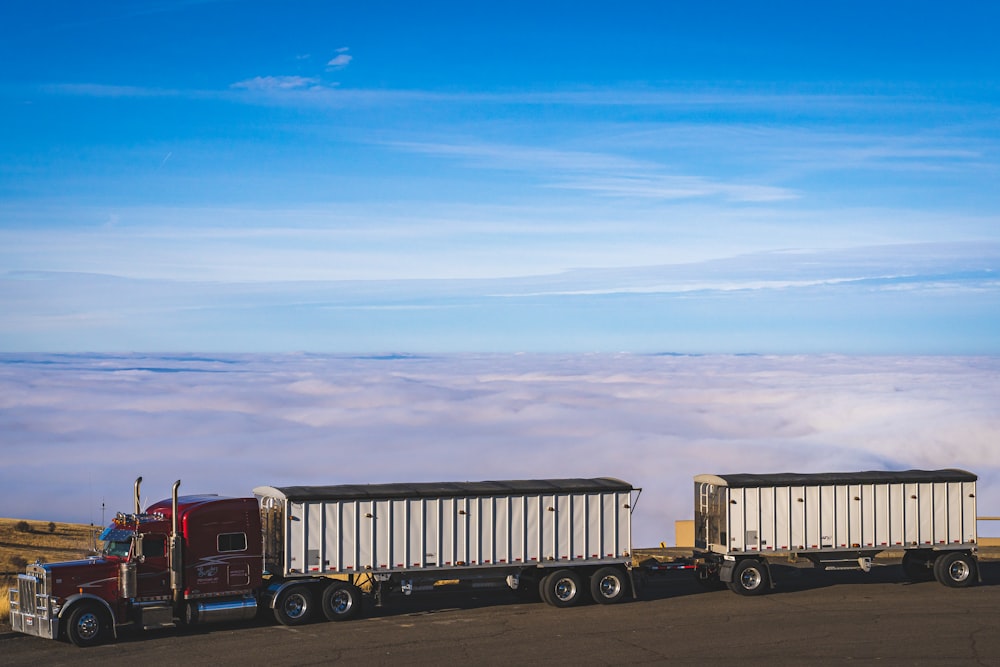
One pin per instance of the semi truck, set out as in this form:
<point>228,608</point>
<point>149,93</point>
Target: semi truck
<point>308,553</point>
<point>838,521</point>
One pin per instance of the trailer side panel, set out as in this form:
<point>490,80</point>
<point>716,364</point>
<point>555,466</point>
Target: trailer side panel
<point>745,514</point>
<point>347,532</point>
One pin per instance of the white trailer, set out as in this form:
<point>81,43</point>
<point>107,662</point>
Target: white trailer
<point>837,521</point>
<point>557,538</point>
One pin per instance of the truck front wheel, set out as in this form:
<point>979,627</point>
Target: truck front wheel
<point>749,577</point>
<point>294,606</point>
<point>341,601</point>
<point>87,625</point>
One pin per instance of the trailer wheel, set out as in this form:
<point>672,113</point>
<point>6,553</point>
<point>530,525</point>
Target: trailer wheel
<point>917,567</point>
<point>561,588</point>
<point>88,625</point>
<point>955,570</point>
<point>608,585</point>
<point>341,601</point>
<point>293,606</point>
<point>749,577</point>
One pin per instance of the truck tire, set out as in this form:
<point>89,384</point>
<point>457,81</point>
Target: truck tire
<point>294,605</point>
<point>87,625</point>
<point>917,567</point>
<point>561,588</point>
<point>956,569</point>
<point>341,601</point>
<point>749,577</point>
<point>608,585</point>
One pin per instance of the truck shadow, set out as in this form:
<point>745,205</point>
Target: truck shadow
<point>791,578</point>
<point>396,605</point>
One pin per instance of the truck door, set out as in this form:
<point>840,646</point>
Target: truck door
<point>153,579</point>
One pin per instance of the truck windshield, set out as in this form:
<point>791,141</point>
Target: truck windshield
<point>117,541</point>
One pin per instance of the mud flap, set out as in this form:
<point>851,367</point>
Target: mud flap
<point>726,571</point>
<point>631,580</point>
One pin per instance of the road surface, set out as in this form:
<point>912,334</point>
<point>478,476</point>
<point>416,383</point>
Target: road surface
<point>812,618</point>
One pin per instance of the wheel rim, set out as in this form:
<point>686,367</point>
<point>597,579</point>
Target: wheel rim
<point>610,586</point>
<point>341,602</point>
<point>88,626</point>
<point>959,570</point>
<point>751,578</point>
<point>565,589</point>
<point>295,606</point>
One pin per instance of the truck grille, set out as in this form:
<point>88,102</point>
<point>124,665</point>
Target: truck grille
<point>31,608</point>
<point>27,589</point>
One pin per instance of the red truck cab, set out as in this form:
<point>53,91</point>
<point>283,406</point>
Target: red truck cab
<point>184,559</point>
<point>221,547</point>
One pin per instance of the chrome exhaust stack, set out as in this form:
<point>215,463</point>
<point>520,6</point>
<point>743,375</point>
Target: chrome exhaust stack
<point>176,555</point>
<point>138,481</point>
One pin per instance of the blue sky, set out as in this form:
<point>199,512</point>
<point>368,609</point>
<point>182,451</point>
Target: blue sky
<point>444,177</point>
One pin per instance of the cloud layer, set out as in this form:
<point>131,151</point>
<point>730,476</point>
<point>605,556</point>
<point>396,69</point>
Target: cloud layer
<point>77,429</point>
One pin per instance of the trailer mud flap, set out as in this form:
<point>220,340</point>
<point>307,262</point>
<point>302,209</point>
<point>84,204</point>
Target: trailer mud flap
<point>631,580</point>
<point>726,571</point>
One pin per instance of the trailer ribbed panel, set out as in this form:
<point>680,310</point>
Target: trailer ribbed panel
<point>566,520</point>
<point>911,509</point>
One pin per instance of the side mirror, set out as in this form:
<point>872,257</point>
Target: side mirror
<point>137,549</point>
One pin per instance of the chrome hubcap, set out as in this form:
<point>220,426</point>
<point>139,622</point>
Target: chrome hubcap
<point>609,586</point>
<point>750,578</point>
<point>342,602</point>
<point>88,626</point>
<point>959,571</point>
<point>295,606</point>
<point>565,589</point>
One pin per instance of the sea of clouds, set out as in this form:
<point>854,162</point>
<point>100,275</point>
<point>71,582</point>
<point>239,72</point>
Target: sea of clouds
<point>76,430</point>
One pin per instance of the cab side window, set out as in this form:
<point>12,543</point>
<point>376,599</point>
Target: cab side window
<point>154,546</point>
<point>232,542</point>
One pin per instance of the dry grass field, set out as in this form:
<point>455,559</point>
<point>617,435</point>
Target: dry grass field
<point>45,542</point>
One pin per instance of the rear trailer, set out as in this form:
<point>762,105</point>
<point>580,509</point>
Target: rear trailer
<point>836,521</point>
<point>557,538</point>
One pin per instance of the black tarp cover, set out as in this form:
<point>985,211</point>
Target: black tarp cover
<point>444,489</point>
<point>746,480</point>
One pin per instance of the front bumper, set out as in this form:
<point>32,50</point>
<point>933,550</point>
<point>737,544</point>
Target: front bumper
<point>31,612</point>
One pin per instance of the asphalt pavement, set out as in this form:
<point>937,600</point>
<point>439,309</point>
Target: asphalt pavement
<point>812,617</point>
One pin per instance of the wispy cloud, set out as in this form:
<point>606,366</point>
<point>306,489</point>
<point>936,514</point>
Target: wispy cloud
<point>896,294</point>
<point>276,83</point>
<point>503,156</point>
<point>107,90</point>
<point>604,174</point>
<point>622,96</point>
<point>341,60</point>
<point>677,187</point>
